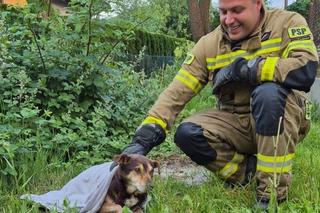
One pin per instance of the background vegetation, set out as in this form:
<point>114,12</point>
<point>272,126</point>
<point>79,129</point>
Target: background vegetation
<point>70,101</point>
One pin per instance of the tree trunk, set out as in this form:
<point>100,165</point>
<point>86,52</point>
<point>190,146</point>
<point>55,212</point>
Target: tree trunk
<point>205,15</point>
<point>199,18</point>
<point>195,20</point>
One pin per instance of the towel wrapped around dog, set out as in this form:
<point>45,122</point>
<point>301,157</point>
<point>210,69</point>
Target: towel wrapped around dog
<point>86,192</point>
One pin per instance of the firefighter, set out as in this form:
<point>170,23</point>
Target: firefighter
<point>261,64</point>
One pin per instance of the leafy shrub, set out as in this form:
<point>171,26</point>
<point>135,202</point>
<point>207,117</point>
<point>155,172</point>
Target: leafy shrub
<point>61,93</point>
<point>300,6</point>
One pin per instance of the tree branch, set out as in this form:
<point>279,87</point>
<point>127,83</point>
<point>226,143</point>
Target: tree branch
<point>105,57</point>
<point>89,28</point>
<point>37,44</point>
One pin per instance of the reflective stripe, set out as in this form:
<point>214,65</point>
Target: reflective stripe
<point>276,159</point>
<point>272,45</point>
<point>300,44</point>
<point>231,167</point>
<point>268,68</point>
<point>278,164</point>
<point>281,169</point>
<point>154,120</point>
<point>189,80</point>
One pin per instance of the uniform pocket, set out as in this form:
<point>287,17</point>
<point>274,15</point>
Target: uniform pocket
<point>306,107</point>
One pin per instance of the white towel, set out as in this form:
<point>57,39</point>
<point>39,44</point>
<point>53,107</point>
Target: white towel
<point>86,192</point>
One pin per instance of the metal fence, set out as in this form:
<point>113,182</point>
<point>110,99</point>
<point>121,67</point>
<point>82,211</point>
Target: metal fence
<point>314,21</point>
<point>147,63</point>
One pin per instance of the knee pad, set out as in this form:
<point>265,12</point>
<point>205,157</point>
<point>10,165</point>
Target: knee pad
<point>190,139</point>
<point>268,104</point>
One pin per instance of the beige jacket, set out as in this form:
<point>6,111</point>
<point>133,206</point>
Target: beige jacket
<point>283,39</point>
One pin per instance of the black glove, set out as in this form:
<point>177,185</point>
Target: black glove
<point>239,70</point>
<point>146,137</point>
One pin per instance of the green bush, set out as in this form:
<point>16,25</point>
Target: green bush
<point>300,6</point>
<point>61,93</point>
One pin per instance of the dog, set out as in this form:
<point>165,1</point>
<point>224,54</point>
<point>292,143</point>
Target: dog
<point>130,184</point>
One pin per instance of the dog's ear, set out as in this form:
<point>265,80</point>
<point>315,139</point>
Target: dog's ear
<point>156,164</point>
<point>122,159</point>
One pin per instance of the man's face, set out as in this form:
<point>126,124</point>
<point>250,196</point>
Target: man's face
<point>239,17</point>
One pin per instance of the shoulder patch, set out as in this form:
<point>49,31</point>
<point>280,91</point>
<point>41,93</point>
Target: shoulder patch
<point>296,32</point>
<point>189,59</point>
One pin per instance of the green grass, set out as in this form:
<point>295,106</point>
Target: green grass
<point>170,195</point>
<point>304,196</point>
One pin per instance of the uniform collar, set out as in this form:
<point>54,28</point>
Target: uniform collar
<point>253,41</point>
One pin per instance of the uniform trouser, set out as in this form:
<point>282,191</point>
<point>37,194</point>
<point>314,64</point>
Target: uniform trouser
<point>222,141</point>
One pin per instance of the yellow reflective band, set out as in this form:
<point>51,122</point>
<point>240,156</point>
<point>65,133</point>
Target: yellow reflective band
<point>274,169</point>
<point>231,167</point>
<point>275,159</point>
<point>226,56</point>
<point>300,44</point>
<point>189,81</point>
<point>269,46</point>
<point>268,68</point>
<point>271,41</point>
<point>278,164</point>
<point>154,120</point>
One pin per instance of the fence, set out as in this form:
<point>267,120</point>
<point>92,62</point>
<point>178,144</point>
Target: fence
<point>147,63</point>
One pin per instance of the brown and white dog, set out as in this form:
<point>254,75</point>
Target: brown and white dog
<point>130,184</point>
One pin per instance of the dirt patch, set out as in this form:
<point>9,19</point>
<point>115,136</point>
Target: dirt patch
<point>183,169</point>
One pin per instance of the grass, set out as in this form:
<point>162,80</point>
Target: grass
<point>170,195</point>
<point>304,196</point>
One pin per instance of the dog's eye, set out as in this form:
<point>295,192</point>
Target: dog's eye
<point>137,170</point>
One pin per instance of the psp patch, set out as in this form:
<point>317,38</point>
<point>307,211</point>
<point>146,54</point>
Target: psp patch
<point>189,59</point>
<point>296,32</point>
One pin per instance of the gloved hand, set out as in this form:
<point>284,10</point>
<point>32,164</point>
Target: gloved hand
<point>146,137</point>
<point>239,70</point>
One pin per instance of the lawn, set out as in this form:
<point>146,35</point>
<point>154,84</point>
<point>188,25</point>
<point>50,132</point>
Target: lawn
<point>172,195</point>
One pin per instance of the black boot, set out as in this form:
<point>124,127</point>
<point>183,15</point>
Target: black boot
<point>251,168</point>
<point>261,206</point>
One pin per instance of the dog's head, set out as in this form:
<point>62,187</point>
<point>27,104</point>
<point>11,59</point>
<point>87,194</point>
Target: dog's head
<point>137,172</point>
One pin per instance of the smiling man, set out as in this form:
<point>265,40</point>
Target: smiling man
<point>239,20</point>
<point>261,64</point>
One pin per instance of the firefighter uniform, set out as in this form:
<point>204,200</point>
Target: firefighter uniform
<point>247,118</point>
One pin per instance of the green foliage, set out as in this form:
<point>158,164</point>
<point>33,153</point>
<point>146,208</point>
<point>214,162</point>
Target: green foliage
<point>61,93</point>
<point>300,6</point>
<point>66,105</point>
<point>215,20</point>
<point>163,16</point>
<point>139,39</point>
